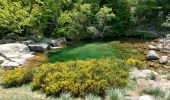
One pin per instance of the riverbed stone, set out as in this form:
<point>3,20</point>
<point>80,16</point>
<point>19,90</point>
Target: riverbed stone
<point>54,42</point>
<point>152,55</point>
<point>163,59</point>
<point>141,73</point>
<point>41,47</point>
<point>151,47</point>
<point>145,97</point>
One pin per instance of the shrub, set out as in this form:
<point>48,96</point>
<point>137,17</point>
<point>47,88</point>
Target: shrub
<point>152,76</point>
<point>135,63</point>
<point>80,77</point>
<point>16,77</point>
<point>156,91</point>
<point>115,94</point>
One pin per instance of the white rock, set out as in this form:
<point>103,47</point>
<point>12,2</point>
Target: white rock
<point>152,55</point>
<point>145,97</point>
<point>159,47</point>
<point>16,52</point>
<point>163,60</point>
<point>151,47</point>
<point>10,64</point>
<point>2,60</point>
<point>141,73</point>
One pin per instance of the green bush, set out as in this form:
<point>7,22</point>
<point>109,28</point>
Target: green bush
<point>16,77</point>
<point>80,77</point>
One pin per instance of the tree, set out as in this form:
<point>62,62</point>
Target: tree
<point>104,16</point>
<point>16,16</point>
<point>73,23</point>
<point>167,23</point>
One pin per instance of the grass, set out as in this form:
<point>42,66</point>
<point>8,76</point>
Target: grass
<point>92,97</point>
<point>152,76</point>
<point>155,91</point>
<point>131,85</point>
<point>21,93</point>
<point>167,97</point>
<point>168,76</point>
<point>86,50</point>
<point>115,94</point>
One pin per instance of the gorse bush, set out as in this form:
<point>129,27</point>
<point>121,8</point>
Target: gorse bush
<point>80,77</point>
<point>135,63</point>
<point>16,77</point>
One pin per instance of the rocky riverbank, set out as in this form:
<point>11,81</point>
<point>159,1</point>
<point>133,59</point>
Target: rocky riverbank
<point>14,53</point>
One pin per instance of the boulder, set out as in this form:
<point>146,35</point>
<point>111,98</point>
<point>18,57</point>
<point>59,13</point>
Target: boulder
<point>14,50</point>
<point>8,64</point>
<point>163,59</point>
<point>13,54</point>
<point>27,42</point>
<point>152,55</point>
<point>145,97</point>
<point>38,47</point>
<point>54,42</point>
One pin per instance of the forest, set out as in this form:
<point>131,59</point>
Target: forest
<point>84,49</point>
<point>81,19</point>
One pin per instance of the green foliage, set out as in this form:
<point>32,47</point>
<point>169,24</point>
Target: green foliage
<point>73,23</point>
<point>156,91</point>
<point>15,16</point>
<point>80,77</point>
<point>115,94</point>
<point>167,23</point>
<point>16,77</point>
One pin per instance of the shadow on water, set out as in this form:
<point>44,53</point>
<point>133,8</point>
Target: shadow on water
<point>83,50</point>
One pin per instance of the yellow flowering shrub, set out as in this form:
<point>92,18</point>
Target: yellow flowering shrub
<point>16,77</point>
<point>135,63</point>
<point>80,77</point>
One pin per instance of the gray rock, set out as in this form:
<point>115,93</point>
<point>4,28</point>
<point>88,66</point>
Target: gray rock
<point>27,42</point>
<point>38,47</point>
<point>145,97</point>
<point>152,55</point>
<point>54,42</point>
<point>163,60</point>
